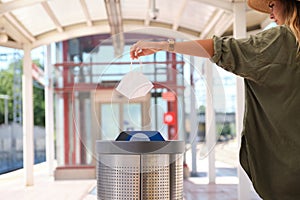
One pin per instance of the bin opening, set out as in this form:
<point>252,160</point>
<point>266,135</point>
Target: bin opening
<point>140,136</point>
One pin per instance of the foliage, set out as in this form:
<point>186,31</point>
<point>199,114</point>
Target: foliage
<point>6,88</point>
<point>202,109</point>
<point>39,105</point>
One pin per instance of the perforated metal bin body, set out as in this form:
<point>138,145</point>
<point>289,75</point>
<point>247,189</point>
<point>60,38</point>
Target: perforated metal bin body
<point>139,170</point>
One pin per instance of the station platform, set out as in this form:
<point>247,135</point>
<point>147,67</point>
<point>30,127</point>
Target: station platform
<point>46,188</point>
<point>195,188</point>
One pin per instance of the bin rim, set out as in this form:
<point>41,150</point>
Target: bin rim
<point>139,147</point>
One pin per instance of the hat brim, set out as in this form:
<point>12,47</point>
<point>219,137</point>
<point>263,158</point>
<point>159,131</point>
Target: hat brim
<point>260,5</point>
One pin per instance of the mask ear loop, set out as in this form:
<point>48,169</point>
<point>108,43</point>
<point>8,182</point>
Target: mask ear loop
<point>141,64</point>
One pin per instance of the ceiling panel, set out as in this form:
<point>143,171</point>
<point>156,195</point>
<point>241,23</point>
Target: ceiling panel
<point>68,12</point>
<point>45,21</point>
<point>168,12</point>
<point>96,9</point>
<point>197,15</point>
<point>134,9</point>
<point>34,19</point>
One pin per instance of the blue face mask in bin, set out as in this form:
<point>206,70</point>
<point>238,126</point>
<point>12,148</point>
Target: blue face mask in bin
<point>140,136</point>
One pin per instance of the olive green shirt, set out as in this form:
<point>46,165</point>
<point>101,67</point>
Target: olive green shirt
<point>270,149</point>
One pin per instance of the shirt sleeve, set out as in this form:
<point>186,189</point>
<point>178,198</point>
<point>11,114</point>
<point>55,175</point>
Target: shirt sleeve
<point>251,58</point>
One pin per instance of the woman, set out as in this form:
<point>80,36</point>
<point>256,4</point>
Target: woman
<point>270,65</point>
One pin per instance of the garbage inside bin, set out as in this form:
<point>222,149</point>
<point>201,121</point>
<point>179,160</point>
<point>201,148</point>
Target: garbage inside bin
<point>140,136</point>
<point>135,168</point>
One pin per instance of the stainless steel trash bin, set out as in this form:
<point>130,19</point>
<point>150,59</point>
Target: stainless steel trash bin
<point>139,170</point>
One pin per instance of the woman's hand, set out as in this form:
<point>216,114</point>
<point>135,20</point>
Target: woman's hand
<point>144,48</point>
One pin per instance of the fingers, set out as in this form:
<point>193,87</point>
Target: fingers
<point>143,48</point>
<point>136,50</point>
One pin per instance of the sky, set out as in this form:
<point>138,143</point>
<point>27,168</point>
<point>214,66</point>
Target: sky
<point>8,55</point>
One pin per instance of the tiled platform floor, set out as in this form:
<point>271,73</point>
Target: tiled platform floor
<point>195,188</point>
<point>12,188</point>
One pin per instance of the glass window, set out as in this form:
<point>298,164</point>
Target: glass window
<point>110,115</point>
<point>132,117</point>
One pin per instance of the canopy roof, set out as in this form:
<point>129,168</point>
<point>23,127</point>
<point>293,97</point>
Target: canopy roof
<point>41,22</point>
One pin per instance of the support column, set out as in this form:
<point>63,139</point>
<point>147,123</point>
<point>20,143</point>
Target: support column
<point>172,106</point>
<point>27,91</point>
<point>193,119</point>
<point>239,10</point>
<point>68,155</point>
<point>49,112</point>
<point>210,123</point>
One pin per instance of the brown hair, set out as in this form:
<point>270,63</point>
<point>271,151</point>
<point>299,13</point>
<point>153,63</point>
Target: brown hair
<point>292,17</point>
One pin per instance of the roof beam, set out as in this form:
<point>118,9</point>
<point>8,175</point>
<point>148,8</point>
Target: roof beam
<point>102,27</point>
<point>12,44</point>
<point>12,32</point>
<point>12,5</point>
<point>224,5</point>
<point>52,16</point>
<point>147,18</point>
<point>73,31</point>
<point>224,23</point>
<point>12,20</point>
<point>86,12</point>
<point>114,17</point>
<point>179,15</point>
<point>211,23</point>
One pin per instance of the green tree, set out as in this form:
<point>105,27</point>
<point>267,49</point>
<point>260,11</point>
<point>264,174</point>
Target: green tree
<point>39,104</point>
<point>6,88</point>
<point>6,84</point>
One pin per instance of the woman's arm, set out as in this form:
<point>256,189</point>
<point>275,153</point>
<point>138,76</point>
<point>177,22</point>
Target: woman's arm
<point>201,48</point>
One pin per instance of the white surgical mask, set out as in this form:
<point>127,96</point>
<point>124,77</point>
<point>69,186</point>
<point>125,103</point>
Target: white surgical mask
<point>134,84</point>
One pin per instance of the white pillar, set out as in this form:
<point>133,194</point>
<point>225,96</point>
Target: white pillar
<point>239,9</point>
<point>210,123</point>
<point>193,120</point>
<point>49,117</point>
<point>27,91</point>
